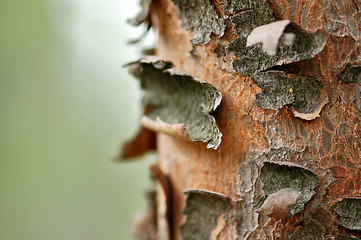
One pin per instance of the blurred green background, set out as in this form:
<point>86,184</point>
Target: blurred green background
<point>66,106</point>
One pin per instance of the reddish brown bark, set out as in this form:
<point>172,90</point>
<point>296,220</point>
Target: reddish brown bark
<point>329,146</point>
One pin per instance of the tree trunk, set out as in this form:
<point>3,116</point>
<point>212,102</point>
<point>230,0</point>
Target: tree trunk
<point>289,162</point>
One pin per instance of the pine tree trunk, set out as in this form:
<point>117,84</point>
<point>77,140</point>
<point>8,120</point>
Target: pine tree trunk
<point>289,162</point>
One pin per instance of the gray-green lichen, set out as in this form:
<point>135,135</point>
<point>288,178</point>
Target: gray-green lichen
<point>280,89</point>
<point>276,177</point>
<point>178,98</point>
<point>350,74</point>
<point>349,210</point>
<point>248,14</point>
<point>202,209</point>
<point>200,16</point>
<point>312,231</point>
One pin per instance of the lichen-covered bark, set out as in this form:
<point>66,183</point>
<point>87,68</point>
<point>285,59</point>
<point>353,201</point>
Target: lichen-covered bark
<point>177,103</point>
<point>203,209</point>
<point>200,16</point>
<point>276,177</point>
<point>280,90</point>
<point>349,210</point>
<point>258,132</point>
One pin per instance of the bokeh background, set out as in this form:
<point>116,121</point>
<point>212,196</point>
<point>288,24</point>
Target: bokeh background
<point>66,106</point>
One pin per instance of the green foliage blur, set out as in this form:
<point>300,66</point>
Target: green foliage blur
<point>66,106</point>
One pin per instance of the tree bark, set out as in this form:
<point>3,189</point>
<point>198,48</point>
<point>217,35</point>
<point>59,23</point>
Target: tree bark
<point>238,190</point>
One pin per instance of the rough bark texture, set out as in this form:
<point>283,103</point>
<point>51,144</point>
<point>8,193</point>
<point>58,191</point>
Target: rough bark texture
<point>326,149</point>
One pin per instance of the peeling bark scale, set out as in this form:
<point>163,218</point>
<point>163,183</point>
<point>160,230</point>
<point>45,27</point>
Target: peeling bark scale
<point>349,210</point>
<point>201,16</point>
<point>312,231</point>
<point>274,88</point>
<point>177,103</point>
<point>203,209</point>
<point>277,177</point>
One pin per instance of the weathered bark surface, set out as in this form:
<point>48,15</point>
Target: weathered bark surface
<point>328,146</point>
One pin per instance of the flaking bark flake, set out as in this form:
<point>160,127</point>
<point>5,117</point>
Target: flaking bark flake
<point>200,16</point>
<point>350,74</point>
<point>172,98</point>
<point>349,210</point>
<point>312,231</point>
<point>280,89</point>
<point>143,17</point>
<point>203,209</point>
<point>276,177</point>
<point>142,143</point>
